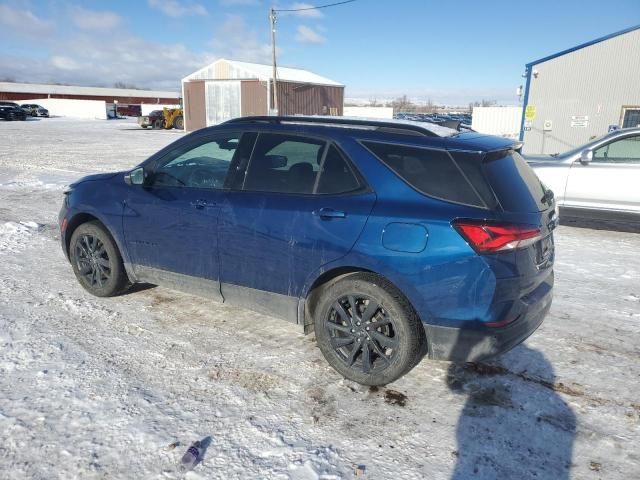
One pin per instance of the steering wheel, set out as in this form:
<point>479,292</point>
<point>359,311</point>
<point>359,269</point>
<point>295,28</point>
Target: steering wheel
<point>203,178</point>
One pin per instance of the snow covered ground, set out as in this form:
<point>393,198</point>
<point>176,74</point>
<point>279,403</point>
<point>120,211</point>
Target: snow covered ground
<point>102,388</point>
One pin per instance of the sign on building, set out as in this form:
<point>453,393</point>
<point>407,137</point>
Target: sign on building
<point>580,121</point>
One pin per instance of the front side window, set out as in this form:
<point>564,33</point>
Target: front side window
<point>626,150</point>
<point>203,165</point>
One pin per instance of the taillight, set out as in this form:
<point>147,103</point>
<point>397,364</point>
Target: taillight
<point>489,237</point>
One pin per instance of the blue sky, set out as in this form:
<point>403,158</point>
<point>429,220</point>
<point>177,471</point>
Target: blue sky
<point>451,52</point>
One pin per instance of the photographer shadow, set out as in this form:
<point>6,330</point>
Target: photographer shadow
<point>513,424</point>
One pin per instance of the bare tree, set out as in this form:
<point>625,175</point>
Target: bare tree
<point>125,85</point>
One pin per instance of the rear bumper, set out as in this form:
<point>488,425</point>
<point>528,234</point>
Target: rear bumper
<point>476,341</point>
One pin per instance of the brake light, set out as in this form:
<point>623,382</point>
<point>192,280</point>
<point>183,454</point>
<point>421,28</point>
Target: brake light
<point>488,237</point>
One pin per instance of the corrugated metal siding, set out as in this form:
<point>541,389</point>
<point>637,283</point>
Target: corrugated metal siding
<point>596,81</point>
<point>17,96</point>
<point>254,97</point>
<point>308,99</point>
<point>194,106</point>
<point>502,121</point>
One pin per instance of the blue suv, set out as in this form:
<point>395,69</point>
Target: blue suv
<point>391,240</point>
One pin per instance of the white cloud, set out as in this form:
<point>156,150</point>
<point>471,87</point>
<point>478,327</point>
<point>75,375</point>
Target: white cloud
<point>306,10</point>
<point>64,63</point>
<point>24,22</point>
<point>306,34</point>
<point>234,40</point>
<point>173,8</point>
<point>85,59</point>
<point>93,19</point>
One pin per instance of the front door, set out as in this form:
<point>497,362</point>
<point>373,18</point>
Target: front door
<point>299,205</point>
<point>610,180</point>
<point>170,222</point>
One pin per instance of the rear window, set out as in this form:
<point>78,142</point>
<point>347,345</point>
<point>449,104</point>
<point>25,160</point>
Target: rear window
<point>514,182</point>
<point>432,172</point>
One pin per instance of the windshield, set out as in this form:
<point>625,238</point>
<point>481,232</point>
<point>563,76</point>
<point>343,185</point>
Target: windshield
<point>578,149</point>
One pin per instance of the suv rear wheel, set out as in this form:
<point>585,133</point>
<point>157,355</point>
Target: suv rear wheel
<point>96,260</point>
<point>367,330</point>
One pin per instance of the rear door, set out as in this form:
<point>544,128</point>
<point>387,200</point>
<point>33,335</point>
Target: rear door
<point>297,205</point>
<point>611,180</point>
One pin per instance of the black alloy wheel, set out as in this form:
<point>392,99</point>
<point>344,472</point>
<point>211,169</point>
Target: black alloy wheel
<point>362,333</point>
<point>96,260</point>
<point>367,329</point>
<point>93,260</point>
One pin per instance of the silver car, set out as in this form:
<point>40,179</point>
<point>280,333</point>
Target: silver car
<point>601,176</point>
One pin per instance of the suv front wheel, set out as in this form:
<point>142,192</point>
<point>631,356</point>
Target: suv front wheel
<point>96,260</point>
<point>367,330</point>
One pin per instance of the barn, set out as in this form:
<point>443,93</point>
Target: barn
<point>87,102</point>
<point>581,93</point>
<point>228,89</point>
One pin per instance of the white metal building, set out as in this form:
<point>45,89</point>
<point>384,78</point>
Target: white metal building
<point>501,121</point>
<point>580,93</point>
<point>228,89</point>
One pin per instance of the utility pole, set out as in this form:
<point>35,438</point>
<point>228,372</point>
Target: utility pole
<point>272,22</point>
<point>272,18</point>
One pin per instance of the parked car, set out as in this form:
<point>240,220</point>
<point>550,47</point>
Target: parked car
<point>11,111</point>
<point>389,239</point>
<point>35,110</point>
<point>602,175</point>
<point>155,119</point>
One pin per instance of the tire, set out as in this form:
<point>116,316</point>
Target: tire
<point>157,124</point>
<point>178,123</point>
<point>96,261</point>
<point>144,126</point>
<point>394,347</point>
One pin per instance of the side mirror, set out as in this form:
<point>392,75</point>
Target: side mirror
<point>586,156</point>
<point>135,177</point>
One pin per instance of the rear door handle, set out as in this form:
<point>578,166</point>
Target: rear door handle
<point>329,213</point>
<point>201,204</point>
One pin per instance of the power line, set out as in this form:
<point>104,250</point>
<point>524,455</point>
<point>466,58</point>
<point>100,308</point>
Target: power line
<point>313,8</point>
<point>272,20</point>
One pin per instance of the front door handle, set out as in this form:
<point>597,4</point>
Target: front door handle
<point>201,204</point>
<point>329,213</point>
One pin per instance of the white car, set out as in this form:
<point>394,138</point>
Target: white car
<point>600,177</point>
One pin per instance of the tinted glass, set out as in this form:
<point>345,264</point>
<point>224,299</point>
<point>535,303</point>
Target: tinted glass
<point>432,172</point>
<point>336,176</point>
<point>472,166</point>
<point>626,150</point>
<point>284,164</point>
<point>204,165</point>
<point>515,183</point>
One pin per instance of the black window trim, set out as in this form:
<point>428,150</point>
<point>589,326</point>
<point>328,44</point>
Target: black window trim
<point>484,205</point>
<point>363,186</point>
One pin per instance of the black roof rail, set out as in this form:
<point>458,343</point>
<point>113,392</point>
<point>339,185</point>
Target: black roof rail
<point>389,126</point>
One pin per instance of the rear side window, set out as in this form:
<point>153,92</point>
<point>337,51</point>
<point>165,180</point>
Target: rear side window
<point>432,172</point>
<point>284,164</point>
<point>515,183</point>
<point>293,164</point>
<point>336,175</point>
